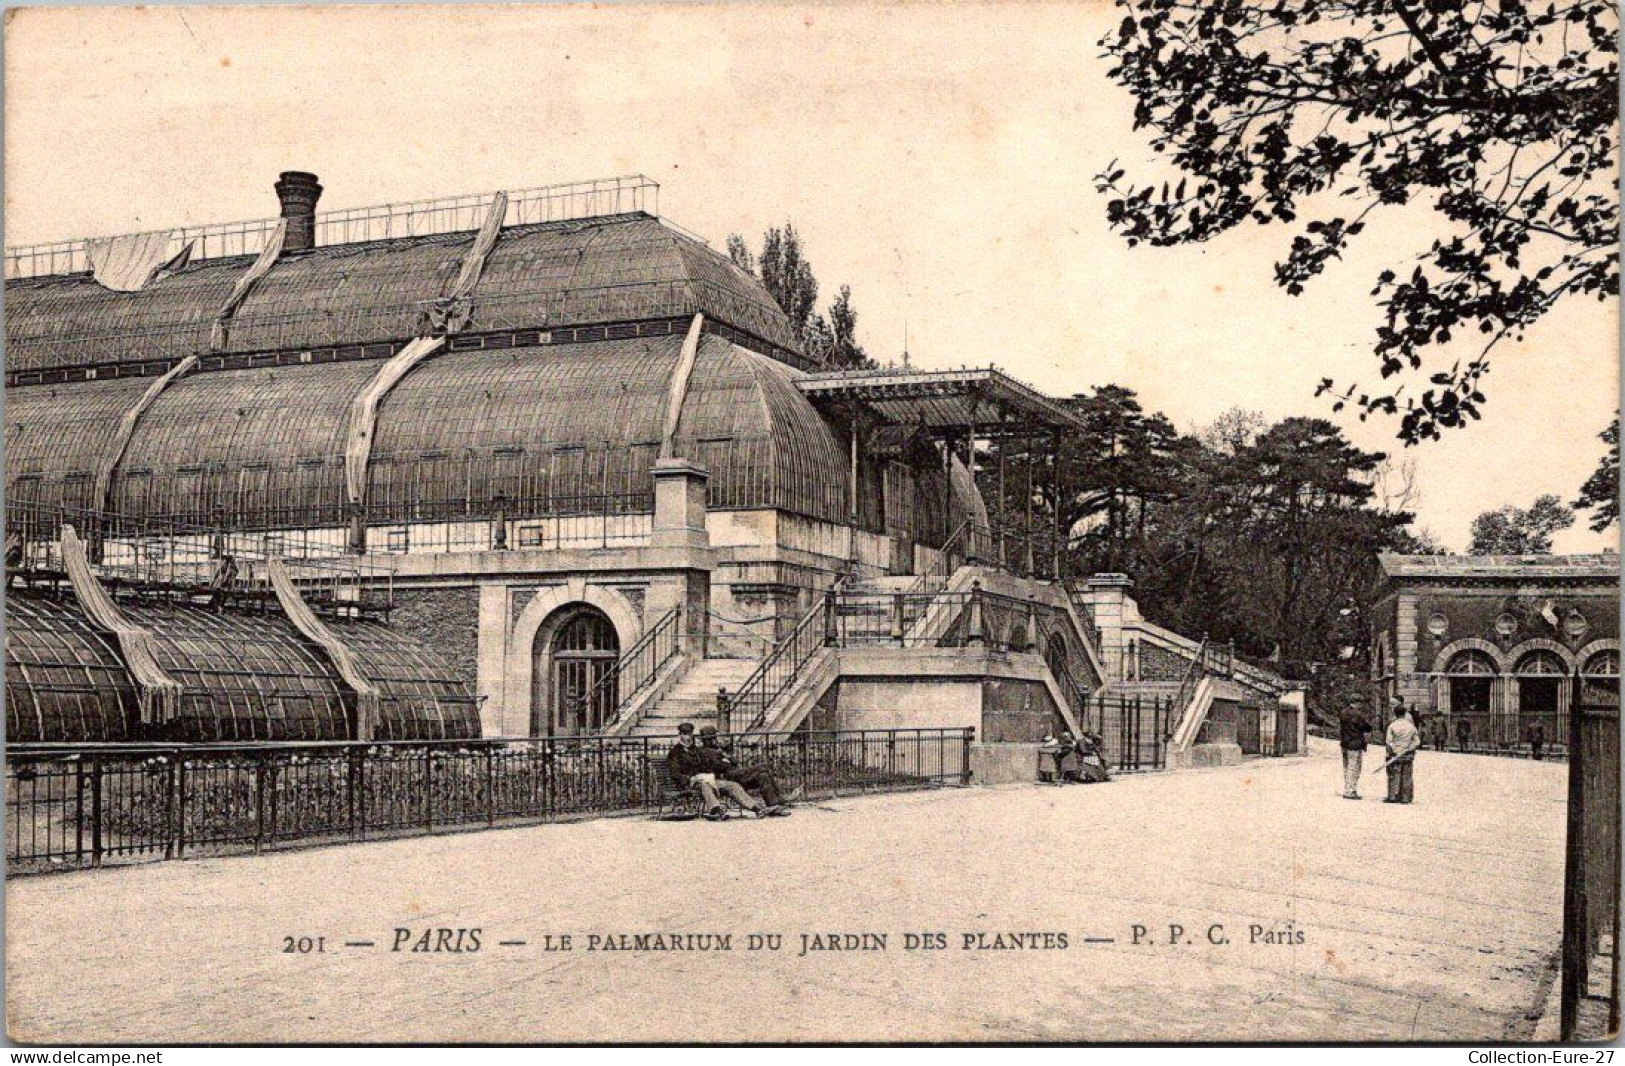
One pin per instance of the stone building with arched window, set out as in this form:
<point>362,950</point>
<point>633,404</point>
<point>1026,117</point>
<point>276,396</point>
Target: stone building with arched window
<point>581,457</point>
<point>1496,644</point>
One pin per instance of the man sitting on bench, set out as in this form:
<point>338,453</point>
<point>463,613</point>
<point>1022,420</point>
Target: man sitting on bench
<point>693,767</point>
<point>757,777</point>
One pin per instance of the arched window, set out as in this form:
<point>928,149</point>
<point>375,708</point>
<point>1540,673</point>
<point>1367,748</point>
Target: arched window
<point>1540,663</point>
<point>1471,674</point>
<point>1471,663</point>
<point>1541,695</point>
<point>1599,677</point>
<point>1603,664</point>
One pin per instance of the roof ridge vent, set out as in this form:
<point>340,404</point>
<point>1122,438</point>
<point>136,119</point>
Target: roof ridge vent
<point>627,194</point>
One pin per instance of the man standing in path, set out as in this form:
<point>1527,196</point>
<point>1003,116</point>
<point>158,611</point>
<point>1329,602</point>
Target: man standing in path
<point>1402,741</point>
<point>1353,725</point>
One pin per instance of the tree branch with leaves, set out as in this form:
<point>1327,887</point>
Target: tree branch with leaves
<point>1501,115</point>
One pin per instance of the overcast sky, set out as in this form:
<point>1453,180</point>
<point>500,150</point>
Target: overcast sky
<point>938,158</point>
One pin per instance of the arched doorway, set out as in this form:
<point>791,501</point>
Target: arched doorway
<point>1471,675</point>
<point>572,660</point>
<point>1541,690</point>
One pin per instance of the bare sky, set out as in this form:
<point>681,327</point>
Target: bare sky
<point>938,158</point>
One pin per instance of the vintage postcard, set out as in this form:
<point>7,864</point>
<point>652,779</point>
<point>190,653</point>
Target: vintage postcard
<point>812,523</point>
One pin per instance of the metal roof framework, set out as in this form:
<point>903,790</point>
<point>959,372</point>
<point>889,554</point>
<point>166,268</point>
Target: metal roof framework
<point>958,409</point>
<point>945,403</point>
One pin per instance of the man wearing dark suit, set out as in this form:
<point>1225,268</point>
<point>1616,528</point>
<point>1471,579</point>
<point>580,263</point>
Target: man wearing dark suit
<point>692,766</point>
<point>756,778</point>
<point>1352,725</point>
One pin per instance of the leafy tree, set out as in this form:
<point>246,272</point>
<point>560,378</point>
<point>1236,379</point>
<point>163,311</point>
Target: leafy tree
<point>1513,530</point>
<point>844,350</point>
<point>1118,468</point>
<point>787,275</point>
<point>1304,535</point>
<point>1500,114</point>
<point>740,253</point>
<point>788,278</point>
<point>1232,431</point>
<point>1600,493</point>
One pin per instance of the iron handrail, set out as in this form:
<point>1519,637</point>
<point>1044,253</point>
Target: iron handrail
<point>779,670</point>
<point>944,567</point>
<point>658,646</point>
<point>1190,679</point>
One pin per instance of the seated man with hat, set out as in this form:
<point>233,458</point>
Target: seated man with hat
<point>692,766</point>
<point>756,778</point>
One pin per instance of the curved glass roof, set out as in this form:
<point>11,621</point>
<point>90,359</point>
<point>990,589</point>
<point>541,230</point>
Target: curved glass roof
<point>244,677</point>
<point>545,276</point>
<point>537,427</point>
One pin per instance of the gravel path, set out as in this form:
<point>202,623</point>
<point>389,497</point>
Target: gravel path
<point>1434,922</point>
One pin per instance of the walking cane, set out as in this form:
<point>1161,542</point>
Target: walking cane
<point>1395,759</point>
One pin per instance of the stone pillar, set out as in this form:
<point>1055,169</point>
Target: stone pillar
<point>491,657</point>
<point>1109,603</point>
<point>679,523</point>
<point>356,517</point>
<point>679,520</point>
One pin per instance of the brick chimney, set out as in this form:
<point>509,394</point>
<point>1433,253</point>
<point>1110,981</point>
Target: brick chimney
<point>299,192</point>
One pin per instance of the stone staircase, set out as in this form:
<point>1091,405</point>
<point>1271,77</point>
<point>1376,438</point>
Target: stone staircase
<point>694,698</point>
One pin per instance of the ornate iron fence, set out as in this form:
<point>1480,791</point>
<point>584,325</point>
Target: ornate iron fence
<point>1544,736</point>
<point>70,807</point>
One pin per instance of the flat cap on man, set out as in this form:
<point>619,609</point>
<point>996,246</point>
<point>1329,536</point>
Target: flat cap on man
<point>686,728</point>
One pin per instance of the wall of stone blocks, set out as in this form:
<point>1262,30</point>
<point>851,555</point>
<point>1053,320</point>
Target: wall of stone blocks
<point>447,621</point>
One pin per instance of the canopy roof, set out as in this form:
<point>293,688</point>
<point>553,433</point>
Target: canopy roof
<point>944,402</point>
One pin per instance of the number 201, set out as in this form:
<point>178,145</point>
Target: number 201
<point>304,945</point>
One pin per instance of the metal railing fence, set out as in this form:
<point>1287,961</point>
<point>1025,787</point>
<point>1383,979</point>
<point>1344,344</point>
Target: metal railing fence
<point>89,805</point>
<point>156,554</point>
<point>1133,729</point>
<point>416,218</point>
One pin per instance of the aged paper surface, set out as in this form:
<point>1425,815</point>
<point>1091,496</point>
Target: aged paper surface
<point>367,560</point>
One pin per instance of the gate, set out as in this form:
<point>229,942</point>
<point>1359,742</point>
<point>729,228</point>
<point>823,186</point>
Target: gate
<point>1133,730</point>
<point>1247,729</point>
<point>1591,874</point>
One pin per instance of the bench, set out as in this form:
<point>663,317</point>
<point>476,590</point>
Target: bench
<point>681,804</point>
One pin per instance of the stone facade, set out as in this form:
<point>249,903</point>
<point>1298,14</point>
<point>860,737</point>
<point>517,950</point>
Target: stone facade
<point>1015,711</point>
<point>1161,664</point>
<point>1440,622</point>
